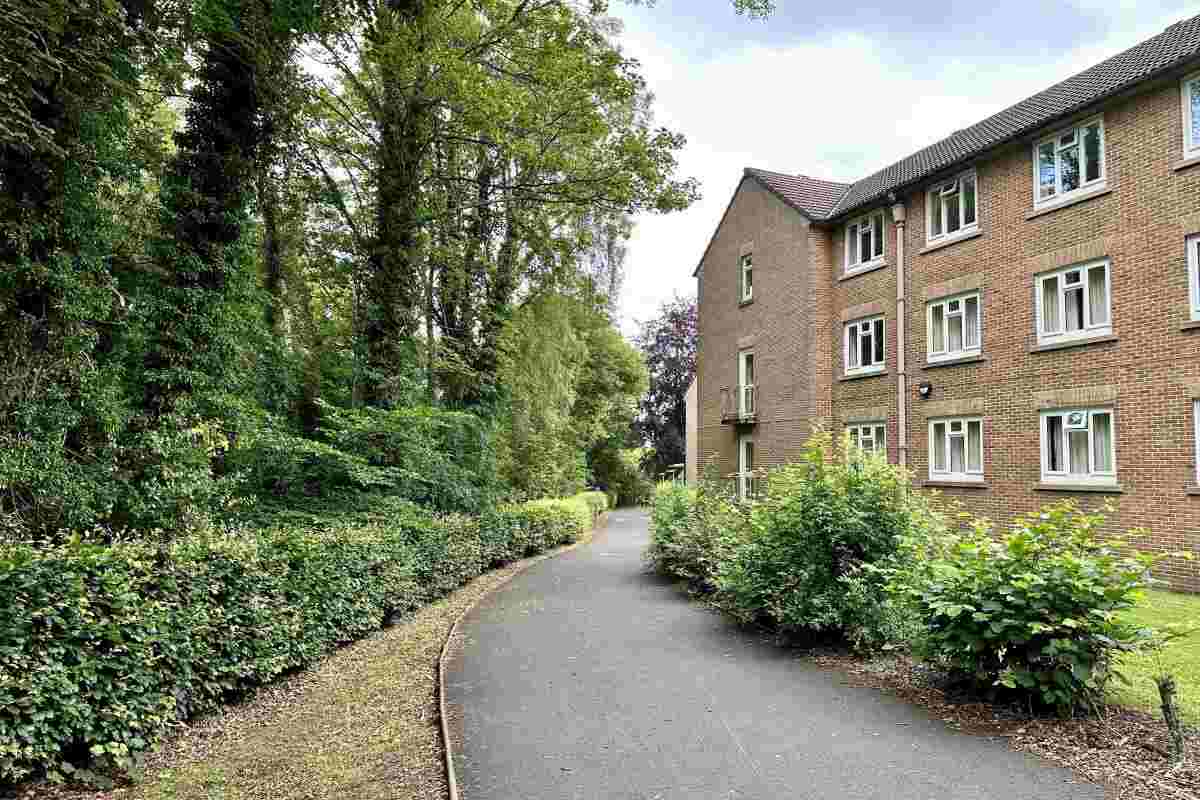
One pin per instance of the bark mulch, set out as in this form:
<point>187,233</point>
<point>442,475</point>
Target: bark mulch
<point>1123,750</point>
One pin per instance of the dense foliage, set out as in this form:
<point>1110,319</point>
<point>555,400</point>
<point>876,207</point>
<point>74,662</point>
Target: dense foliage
<point>1036,608</point>
<point>107,644</point>
<point>838,544</point>
<point>669,342</point>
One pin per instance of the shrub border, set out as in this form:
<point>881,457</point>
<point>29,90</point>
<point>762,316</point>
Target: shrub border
<point>599,521</point>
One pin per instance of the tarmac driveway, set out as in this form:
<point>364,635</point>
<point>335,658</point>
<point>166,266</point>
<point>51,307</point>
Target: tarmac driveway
<point>588,678</point>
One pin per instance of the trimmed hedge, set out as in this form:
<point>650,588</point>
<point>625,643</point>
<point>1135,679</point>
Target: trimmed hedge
<point>102,646</point>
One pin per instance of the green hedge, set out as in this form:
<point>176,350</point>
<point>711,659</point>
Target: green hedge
<point>104,645</point>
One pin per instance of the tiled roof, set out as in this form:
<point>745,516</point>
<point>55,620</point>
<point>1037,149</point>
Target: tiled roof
<point>812,197</point>
<point>1171,48</point>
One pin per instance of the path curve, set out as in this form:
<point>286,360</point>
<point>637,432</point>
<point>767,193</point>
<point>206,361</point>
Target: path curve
<point>587,678</point>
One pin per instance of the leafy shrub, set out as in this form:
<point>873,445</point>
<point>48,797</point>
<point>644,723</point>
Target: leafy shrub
<point>693,542</point>
<point>620,473</point>
<point>820,522</point>
<point>1038,608</point>
<point>106,644</point>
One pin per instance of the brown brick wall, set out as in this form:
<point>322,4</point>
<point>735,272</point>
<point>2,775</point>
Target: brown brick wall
<point>1152,369</point>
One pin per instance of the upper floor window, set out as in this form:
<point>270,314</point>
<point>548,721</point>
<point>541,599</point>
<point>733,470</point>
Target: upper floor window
<point>1078,446</point>
<point>952,209</point>
<point>1068,162</point>
<point>864,242</point>
<point>1193,261</point>
<point>1073,303</point>
<point>864,346</point>
<point>746,278</point>
<point>1191,116</point>
<point>954,327</point>
<point>869,437</point>
<point>956,449</point>
<point>745,383</point>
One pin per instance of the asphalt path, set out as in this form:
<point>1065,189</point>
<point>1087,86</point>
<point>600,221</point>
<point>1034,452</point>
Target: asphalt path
<point>588,678</point>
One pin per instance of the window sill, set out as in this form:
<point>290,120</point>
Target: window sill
<point>744,303</point>
<point>1069,201</point>
<point>954,362</point>
<point>856,376</point>
<point>939,484</point>
<point>1194,325</point>
<point>1095,488</point>
<point>949,240</point>
<point>1190,161</point>
<point>862,270</point>
<point>1046,348</point>
<point>1194,491</point>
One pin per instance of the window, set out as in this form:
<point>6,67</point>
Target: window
<point>954,328</point>
<point>745,473</point>
<point>951,208</point>
<point>864,349</point>
<point>864,242</point>
<point>1196,422</point>
<point>745,383</point>
<point>1073,303</point>
<point>956,450</point>
<point>1191,116</point>
<point>1078,446</point>
<point>1069,162</point>
<point>1193,261</point>
<point>870,437</point>
<point>746,278</point>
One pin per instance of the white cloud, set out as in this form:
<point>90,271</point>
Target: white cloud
<point>837,109</point>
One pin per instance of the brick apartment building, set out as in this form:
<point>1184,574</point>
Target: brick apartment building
<point>1013,313</point>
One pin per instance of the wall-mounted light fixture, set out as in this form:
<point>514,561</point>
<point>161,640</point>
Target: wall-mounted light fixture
<point>925,390</point>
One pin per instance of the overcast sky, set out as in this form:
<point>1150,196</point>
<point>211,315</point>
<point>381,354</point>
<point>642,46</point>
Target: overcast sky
<point>838,90</point>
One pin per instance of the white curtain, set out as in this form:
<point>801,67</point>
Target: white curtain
<point>938,332</point>
<point>939,447</point>
<point>958,456</point>
<point>972,318</point>
<point>1050,322</point>
<point>1102,441</point>
<point>956,333</point>
<point>1078,442</point>
<point>975,446</point>
<point>1098,295</point>
<point>1074,303</point>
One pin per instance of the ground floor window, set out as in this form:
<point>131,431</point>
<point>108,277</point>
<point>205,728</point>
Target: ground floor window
<point>956,449</point>
<point>745,473</point>
<point>1079,446</point>
<point>869,437</point>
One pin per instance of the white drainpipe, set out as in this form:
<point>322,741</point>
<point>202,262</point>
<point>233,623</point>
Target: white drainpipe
<point>898,216</point>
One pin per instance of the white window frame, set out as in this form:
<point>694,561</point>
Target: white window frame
<point>946,302</point>
<point>1092,476</point>
<point>1196,423</point>
<point>874,432</point>
<point>745,476</point>
<point>878,222</point>
<point>857,325</point>
<point>1193,265</point>
<point>948,435</point>
<point>938,196</point>
<point>1191,142</point>
<point>1085,186</point>
<point>744,357</point>
<point>1090,329</point>
<point>746,270</point>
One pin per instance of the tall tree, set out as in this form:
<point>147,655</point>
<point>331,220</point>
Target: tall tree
<point>669,343</point>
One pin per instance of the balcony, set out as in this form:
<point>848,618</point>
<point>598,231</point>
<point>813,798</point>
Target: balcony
<point>739,406</point>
